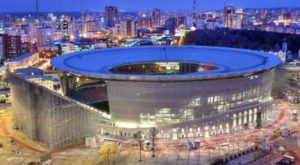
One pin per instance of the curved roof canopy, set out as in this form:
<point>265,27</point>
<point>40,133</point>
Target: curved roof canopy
<point>229,62</point>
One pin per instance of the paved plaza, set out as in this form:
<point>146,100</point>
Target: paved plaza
<point>18,150</point>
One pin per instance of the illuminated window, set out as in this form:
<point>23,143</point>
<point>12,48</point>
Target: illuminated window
<point>234,97</point>
<point>216,99</point>
<point>221,127</point>
<point>220,108</point>
<point>210,99</point>
<point>245,117</point>
<point>244,94</point>
<point>195,102</point>
<point>239,96</point>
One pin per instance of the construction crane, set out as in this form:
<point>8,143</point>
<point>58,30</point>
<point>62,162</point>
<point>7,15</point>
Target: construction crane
<point>194,8</point>
<point>37,9</point>
<point>195,18</point>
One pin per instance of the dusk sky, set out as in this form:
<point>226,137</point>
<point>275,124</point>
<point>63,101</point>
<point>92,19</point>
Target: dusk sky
<point>136,5</point>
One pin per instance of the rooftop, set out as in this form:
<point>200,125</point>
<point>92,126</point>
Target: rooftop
<point>229,62</point>
<point>20,57</point>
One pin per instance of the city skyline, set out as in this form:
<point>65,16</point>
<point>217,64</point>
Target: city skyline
<point>150,82</point>
<point>125,5</point>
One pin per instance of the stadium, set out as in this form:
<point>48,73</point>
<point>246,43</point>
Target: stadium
<point>187,91</point>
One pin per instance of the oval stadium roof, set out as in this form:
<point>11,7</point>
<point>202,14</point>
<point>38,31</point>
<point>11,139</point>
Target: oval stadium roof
<point>230,62</point>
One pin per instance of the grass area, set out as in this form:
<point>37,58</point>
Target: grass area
<point>102,106</point>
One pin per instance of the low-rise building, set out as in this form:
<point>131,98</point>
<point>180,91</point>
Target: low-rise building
<point>37,76</point>
<point>22,61</point>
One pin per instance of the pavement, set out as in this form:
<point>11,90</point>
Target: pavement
<point>167,155</point>
<point>10,152</point>
<point>22,150</point>
<point>22,143</point>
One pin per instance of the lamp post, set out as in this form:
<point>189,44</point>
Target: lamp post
<point>138,137</point>
<point>219,148</point>
<point>153,133</point>
<point>199,151</point>
<point>209,152</point>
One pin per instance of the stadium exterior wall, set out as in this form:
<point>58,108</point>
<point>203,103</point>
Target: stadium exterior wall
<point>48,117</point>
<point>194,108</point>
<point>181,108</point>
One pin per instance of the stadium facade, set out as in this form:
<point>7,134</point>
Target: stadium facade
<point>186,92</point>
<point>49,117</point>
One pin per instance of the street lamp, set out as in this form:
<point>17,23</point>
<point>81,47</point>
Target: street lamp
<point>219,148</point>
<point>153,133</point>
<point>209,152</point>
<point>138,137</point>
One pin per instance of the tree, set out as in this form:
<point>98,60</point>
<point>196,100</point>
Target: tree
<point>153,132</point>
<point>246,39</point>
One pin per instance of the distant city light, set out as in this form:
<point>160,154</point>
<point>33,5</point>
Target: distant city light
<point>193,77</point>
<point>193,28</point>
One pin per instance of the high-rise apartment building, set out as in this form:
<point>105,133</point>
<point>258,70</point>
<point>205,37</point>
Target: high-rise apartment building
<point>129,28</point>
<point>156,15</point>
<point>111,16</point>
<point>229,11</point>
<point>126,28</point>
<point>171,24</point>
<point>231,18</point>
<point>45,36</point>
<point>65,29</point>
<point>145,22</point>
<point>1,47</point>
<point>10,46</point>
